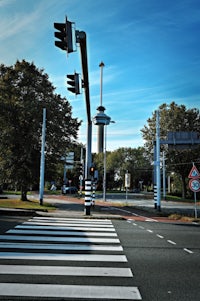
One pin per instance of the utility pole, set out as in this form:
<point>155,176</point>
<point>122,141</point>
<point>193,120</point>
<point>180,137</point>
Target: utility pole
<point>164,177</point>
<point>158,159</point>
<point>42,158</point>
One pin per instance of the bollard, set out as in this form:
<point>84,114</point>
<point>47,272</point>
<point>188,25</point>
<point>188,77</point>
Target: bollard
<point>87,196</point>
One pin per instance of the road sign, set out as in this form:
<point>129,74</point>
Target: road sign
<point>194,173</point>
<point>127,180</point>
<point>194,185</point>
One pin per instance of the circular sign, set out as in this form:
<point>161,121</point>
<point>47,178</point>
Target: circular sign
<point>194,185</point>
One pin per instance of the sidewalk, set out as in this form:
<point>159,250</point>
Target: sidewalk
<point>67,206</point>
<point>70,206</point>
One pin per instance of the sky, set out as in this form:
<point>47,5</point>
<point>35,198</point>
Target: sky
<point>150,48</point>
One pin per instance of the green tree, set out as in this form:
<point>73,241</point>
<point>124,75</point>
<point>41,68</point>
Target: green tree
<point>122,160</point>
<point>174,118</point>
<point>25,91</point>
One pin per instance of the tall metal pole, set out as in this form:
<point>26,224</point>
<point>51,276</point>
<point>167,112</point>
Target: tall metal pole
<point>154,175</point>
<point>81,175</point>
<point>81,39</point>
<point>104,165</point>
<point>158,160</point>
<point>42,158</point>
<point>164,177</point>
<point>101,65</point>
<point>195,201</point>
<point>101,109</point>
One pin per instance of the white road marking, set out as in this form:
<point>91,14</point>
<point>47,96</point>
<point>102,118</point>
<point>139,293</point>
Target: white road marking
<point>68,257</point>
<point>171,242</point>
<point>61,239</point>
<point>150,231</point>
<point>61,233</point>
<point>72,220</point>
<point>38,227</point>
<point>151,220</point>
<point>71,291</point>
<point>65,271</point>
<point>68,224</point>
<point>188,251</point>
<point>53,227</point>
<point>62,226</point>
<point>160,236</point>
<point>72,247</point>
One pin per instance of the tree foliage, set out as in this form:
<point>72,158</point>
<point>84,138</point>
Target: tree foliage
<point>25,91</point>
<point>122,160</point>
<point>174,118</point>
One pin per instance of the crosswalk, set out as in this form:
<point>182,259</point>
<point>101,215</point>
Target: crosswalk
<point>50,258</point>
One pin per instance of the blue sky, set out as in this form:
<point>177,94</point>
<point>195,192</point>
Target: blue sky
<point>150,48</point>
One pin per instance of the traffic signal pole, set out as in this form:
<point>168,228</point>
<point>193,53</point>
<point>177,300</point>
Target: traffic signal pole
<point>81,39</point>
<point>65,42</point>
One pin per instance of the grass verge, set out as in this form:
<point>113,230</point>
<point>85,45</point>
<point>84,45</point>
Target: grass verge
<point>183,218</point>
<point>29,205</point>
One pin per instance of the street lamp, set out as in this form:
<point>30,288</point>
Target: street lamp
<point>102,120</point>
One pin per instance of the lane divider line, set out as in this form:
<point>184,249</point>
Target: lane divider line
<point>188,251</point>
<point>160,236</point>
<point>171,242</point>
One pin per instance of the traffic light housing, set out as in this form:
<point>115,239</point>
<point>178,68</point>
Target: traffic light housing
<point>64,36</point>
<point>81,169</point>
<point>73,83</point>
<point>92,170</point>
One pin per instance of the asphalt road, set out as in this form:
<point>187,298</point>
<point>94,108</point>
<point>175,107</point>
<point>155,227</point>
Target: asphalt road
<point>134,199</point>
<point>164,259</point>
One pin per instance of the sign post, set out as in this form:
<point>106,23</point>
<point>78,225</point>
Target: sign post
<point>194,185</point>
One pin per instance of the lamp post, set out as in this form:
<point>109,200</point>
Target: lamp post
<point>102,120</point>
<point>100,109</point>
<point>101,65</point>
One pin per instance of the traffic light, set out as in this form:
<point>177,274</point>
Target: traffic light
<point>92,170</point>
<point>81,169</point>
<point>73,82</point>
<point>64,35</point>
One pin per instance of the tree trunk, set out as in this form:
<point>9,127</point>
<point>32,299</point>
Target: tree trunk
<point>183,187</point>
<point>24,194</point>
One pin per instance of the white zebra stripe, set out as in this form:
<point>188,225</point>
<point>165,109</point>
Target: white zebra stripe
<point>68,257</point>
<point>65,271</point>
<point>66,247</point>
<point>61,239</point>
<point>61,233</point>
<point>53,227</point>
<point>71,291</point>
<point>73,220</point>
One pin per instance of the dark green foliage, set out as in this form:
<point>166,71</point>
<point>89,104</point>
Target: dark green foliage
<point>175,118</point>
<point>24,92</point>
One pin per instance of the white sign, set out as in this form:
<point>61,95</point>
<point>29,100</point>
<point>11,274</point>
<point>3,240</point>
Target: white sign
<point>127,180</point>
